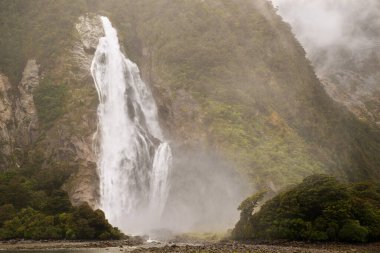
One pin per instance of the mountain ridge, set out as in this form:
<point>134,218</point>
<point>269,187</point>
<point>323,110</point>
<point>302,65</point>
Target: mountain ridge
<point>228,76</point>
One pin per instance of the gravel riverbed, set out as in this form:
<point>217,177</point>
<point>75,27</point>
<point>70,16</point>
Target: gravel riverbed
<point>137,246</point>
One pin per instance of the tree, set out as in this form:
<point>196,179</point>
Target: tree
<point>318,209</point>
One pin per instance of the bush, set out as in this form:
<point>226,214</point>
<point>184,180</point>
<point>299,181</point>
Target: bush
<point>28,212</point>
<point>14,191</point>
<point>58,202</point>
<point>353,232</point>
<point>89,224</point>
<point>318,209</point>
<point>7,212</point>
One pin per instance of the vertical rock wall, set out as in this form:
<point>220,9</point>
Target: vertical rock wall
<point>83,185</point>
<point>26,117</point>
<point>18,115</point>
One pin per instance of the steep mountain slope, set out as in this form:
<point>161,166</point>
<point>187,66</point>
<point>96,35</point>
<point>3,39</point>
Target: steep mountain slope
<point>63,94</point>
<point>228,77</point>
<point>260,101</point>
<point>342,41</point>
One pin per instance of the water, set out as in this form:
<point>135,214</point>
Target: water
<point>84,250</point>
<point>134,161</point>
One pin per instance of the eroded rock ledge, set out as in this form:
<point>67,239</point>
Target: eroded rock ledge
<point>83,185</point>
<point>18,115</point>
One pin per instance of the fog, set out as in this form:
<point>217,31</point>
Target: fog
<point>205,192</point>
<point>329,27</point>
<point>342,40</point>
<point>325,23</point>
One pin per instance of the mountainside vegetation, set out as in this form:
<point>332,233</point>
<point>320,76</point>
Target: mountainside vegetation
<point>33,207</point>
<point>344,50</point>
<point>227,75</point>
<point>319,209</point>
<point>261,103</point>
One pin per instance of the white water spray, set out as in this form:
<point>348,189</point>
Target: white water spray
<point>134,161</point>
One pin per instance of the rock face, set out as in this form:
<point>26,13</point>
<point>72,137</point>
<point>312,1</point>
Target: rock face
<point>358,93</point>
<point>90,30</point>
<point>6,121</point>
<point>83,184</point>
<point>26,118</point>
<point>18,120</point>
<point>344,53</point>
<point>68,143</point>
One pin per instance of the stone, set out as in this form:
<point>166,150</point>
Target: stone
<point>26,117</point>
<point>6,121</point>
<point>90,29</point>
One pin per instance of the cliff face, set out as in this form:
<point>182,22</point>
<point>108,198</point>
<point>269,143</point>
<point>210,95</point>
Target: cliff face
<point>71,139</point>
<point>227,76</point>
<point>49,112</point>
<point>25,113</point>
<point>355,85</point>
<point>6,120</point>
<point>19,122</point>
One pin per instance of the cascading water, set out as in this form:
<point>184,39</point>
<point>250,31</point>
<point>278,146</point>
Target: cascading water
<point>133,159</point>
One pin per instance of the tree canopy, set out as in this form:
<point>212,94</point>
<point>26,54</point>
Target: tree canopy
<point>319,209</point>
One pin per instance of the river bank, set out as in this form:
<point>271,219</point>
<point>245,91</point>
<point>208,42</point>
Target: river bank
<point>136,245</point>
<point>66,244</point>
<point>235,247</point>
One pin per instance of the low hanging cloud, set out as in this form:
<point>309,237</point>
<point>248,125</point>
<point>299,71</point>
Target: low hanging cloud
<point>332,30</point>
<point>342,40</point>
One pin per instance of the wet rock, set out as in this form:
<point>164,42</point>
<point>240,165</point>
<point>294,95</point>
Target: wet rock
<point>82,186</point>
<point>6,120</point>
<point>90,30</point>
<point>18,114</point>
<point>26,117</point>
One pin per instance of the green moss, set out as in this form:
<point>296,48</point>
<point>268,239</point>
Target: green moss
<point>49,99</point>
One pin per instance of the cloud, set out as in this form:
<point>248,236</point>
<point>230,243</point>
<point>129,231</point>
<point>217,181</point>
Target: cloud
<point>342,40</point>
<point>321,25</point>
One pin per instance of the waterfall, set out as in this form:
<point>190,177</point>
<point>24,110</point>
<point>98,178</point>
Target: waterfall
<point>134,160</point>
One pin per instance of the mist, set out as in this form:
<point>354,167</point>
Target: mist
<point>205,192</point>
<point>321,24</point>
<point>342,40</point>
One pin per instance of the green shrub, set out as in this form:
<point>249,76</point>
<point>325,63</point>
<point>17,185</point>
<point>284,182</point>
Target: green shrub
<point>7,212</point>
<point>318,236</point>
<point>318,209</point>
<point>89,224</point>
<point>58,202</point>
<point>29,212</point>
<point>353,232</point>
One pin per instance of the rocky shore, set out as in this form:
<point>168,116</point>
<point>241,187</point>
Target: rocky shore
<point>136,245</point>
<point>66,244</point>
<point>234,247</point>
